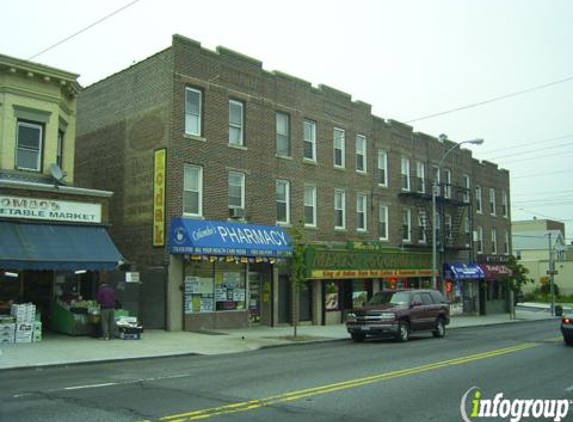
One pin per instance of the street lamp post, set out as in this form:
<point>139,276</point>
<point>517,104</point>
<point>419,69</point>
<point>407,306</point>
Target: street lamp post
<point>435,188</point>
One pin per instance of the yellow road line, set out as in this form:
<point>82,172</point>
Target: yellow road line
<point>337,386</point>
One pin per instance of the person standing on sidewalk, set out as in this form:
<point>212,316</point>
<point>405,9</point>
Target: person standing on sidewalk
<point>106,299</point>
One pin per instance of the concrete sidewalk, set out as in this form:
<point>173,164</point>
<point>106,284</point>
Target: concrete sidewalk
<point>56,349</point>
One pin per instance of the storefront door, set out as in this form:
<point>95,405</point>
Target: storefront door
<point>255,290</point>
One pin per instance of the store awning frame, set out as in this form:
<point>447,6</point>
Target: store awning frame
<point>463,271</point>
<point>58,247</point>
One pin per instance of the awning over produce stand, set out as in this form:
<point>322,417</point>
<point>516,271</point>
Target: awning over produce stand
<point>28,246</point>
<point>463,271</point>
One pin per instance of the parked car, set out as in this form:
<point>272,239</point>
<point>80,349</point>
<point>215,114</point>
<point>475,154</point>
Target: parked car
<point>399,313</point>
<point>567,329</point>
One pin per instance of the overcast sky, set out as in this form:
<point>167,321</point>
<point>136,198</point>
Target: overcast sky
<point>407,58</point>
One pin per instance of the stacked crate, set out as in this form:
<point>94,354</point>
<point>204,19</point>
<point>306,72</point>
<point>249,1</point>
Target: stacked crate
<point>25,315</point>
<point>7,329</point>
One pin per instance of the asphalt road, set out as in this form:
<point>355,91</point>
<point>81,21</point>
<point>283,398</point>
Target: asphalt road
<point>380,380</point>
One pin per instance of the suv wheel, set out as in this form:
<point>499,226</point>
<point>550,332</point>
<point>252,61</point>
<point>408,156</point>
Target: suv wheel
<point>403,331</point>
<point>357,337</point>
<point>440,330</point>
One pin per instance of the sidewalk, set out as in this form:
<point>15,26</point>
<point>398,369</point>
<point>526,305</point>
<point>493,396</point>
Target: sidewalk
<point>57,349</point>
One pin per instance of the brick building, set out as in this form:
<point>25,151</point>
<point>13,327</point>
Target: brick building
<point>221,142</point>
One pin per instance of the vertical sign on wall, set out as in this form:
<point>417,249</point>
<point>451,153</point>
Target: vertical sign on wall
<point>159,197</point>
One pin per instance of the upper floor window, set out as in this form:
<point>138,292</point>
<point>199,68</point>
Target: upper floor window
<point>467,231</point>
<point>447,184</point>
<point>283,201</point>
<point>478,200</point>
<point>29,146</point>
<point>383,222</point>
<point>494,240</point>
<point>492,201</point>
<point>504,207</point>
<point>283,134</point>
<point>339,209</point>
<point>60,149</point>
<point>506,243</point>
<point>236,190</point>
<point>437,179</point>
<point>362,212</point>
<point>193,111</point>
<point>466,195</point>
<point>421,177</point>
<point>361,154</point>
<point>407,225</point>
<point>193,190</point>
<point>309,142</point>
<point>448,228</point>
<point>422,226</point>
<point>382,168</point>
<point>236,122</point>
<point>405,172</point>
<point>339,147</point>
<point>479,241</point>
<point>310,206</point>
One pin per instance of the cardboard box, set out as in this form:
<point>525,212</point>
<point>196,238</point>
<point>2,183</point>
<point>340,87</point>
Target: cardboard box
<point>7,340</point>
<point>24,327</point>
<point>24,340</point>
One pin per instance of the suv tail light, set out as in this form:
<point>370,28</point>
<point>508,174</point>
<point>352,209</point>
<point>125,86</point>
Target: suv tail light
<point>567,320</point>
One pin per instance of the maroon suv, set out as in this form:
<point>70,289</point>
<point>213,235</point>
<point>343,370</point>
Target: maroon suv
<point>399,313</point>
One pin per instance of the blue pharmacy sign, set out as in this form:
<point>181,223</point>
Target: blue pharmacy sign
<point>187,236</point>
<point>463,271</point>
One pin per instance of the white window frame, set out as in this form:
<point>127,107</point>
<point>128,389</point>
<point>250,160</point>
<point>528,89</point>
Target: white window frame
<point>447,184</point>
<point>39,152</point>
<point>421,228</point>
<point>241,177</point>
<point>311,124</point>
<point>342,208</point>
<point>191,115</point>
<point>341,141</point>
<point>504,205</point>
<point>362,210</point>
<point>480,239</point>
<point>405,174</point>
<point>437,179</point>
<point>494,240</point>
<point>420,177</point>
<point>60,148</point>
<point>286,201</point>
<point>467,185</point>
<point>506,243</point>
<point>492,204</point>
<point>407,223</point>
<point>281,137</point>
<point>467,231</point>
<point>361,151</point>
<point>240,126</point>
<point>448,222</point>
<point>382,166</point>
<point>479,207</point>
<point>383,217</point>
<point>199,175</point>
<point>313,202</point>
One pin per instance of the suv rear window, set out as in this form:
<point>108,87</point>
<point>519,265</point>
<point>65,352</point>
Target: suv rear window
<point>427,299</point>
<point>393,298</point>
<point>438,298</point>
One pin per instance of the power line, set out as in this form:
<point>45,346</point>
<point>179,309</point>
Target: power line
<point>543,215</point>
<point>542,174</point>
<point>532,151</point>
<point>555,192</point>
<point>84,29</point>
<point>491,100</point>
<point>539,157</point>
<point>541,141</point>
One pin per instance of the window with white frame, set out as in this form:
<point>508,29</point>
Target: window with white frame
<point>362,212</point>
<point>193,190</point>
<point>310,206</point>
<point>236,122</point>
<point>60,149</point>
<point>193,111</point>
<point>339,147</point>
<point>506,243</point>
<point>479,242</point>
<point>437,179</point>
<point>467,231</point>
<point>382,168</point>
<point>478,200</point>
<point>421,177</point>
<point>504,208</point>
<point>309,141</point>
<point>466,195</point>
<point>29,141</point>
<point>283,134</point>
<point>405,174</point>
<point>361,154</point>
<point>383,222</point>
<point>422,226</point>
<point>283,201</point>
<point>447,184</point>
<point>339,209</point>
<point>494,240</point>
<point>236,190</point>
<point>492,210</point>
<point>407,225</point>
<point>448,228</point>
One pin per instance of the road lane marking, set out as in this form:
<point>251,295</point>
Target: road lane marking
<point>81,387</point>
<point>337,386</point>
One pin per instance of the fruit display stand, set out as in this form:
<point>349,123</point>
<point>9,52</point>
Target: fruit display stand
<point>74,321</point>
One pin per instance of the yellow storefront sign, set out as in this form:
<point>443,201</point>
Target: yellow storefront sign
<point>159,197</point>
<point>340,274</point>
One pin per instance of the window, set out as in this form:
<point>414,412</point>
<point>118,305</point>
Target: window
<point>362,212</point>
<point>421,177</point>
<point>193,109</point>
<point>504,208</point>
<point>283,134</point>
<point>236,122</point>
<point>405,172</point>
<point>448,228</point>
<point>193,190</point>
<point>506,243</point>
<point>478,200</point>
<point>361,157</point>
<point>447,184</point>
<point>339,144</point>
<point>236,190</point>
<point>383,222</point>
<point>60,149</point>
<point>437,179</point>
<point>382,168</point>
<point>422,226</point>
<point>494,240</point>
<point>467,231</point>
<point>283,201</point>
<point>310,206</point>
<point>479,241</point>
<point>339,209</point>
<point>466,196</point>
<point>407,225</point>
<point>29,146</point>
<point>492,201</point>
<point>309,140</point>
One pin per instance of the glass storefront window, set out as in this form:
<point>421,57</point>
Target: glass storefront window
<point>331,299</point>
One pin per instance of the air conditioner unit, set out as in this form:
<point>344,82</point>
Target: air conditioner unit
<point>237,213</point>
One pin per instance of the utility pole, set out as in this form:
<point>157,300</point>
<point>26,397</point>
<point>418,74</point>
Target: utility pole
<point>551,276</point>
